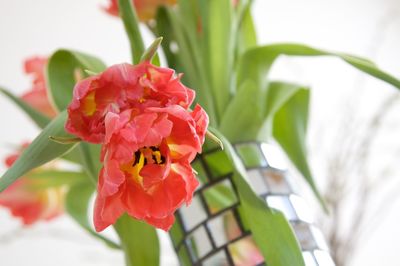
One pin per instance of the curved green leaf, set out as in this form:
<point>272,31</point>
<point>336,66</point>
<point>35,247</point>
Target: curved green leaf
<point>219,35</point>
<point>77,206</point>
<point>270,229</point>
<point>73,155</point>
<point>39,152</point>
<point>40,119</point>
<point>139,242</point>
<point>290,128</point>
<point>274,97</point>
<point>243,116</point>
<point>246,35</point>
<point>150,54</point>
<point>163,28</point>
<point>63,70</point>
<point>90,156</point>
<point>256,62</point>
<point>277,94</point>
<point>249,114</point>
<point>191,61</point>
<point>54,178</point>
<point>129,18</point>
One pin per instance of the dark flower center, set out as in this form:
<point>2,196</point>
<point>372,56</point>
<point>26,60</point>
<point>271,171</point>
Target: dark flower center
<point>148,155</point>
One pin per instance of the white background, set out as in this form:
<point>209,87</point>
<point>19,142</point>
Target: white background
<point>365,27</point>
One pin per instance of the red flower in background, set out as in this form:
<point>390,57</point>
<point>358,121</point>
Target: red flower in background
<point>145,9</point>
<point>28,201</point>
<point>140,115</point>
<point>37,96</point>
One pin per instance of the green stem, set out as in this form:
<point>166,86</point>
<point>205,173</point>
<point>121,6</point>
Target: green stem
<point>139,241</point>
<point>131,24</point>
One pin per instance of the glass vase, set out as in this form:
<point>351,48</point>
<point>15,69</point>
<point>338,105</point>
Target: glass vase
<point>210,231</point>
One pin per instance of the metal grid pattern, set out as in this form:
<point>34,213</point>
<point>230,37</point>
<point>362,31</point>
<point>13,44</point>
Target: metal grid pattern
<point>210,231</point>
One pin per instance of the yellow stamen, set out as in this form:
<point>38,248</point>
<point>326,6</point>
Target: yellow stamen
<point>138,166</point>
<point>141,158</point>
<point>157,154</point>
<point>89,104</point>
<point>134,168</point>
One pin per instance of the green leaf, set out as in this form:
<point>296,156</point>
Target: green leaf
<point>62,71</point>
<point>277,94</point>
<point>191,28</point>
<point>241,123</point>
<point>54,178</point>
<point>242,5</point>
<point>290,128</point>
<point>151,50</point>
<point>246,37</point>
<point>163,28</point>
<point>256,62</point>
<point>90,73</point>
<point>243,116</point>
<point>219,38</point>
<point>219,197</point>
<point>128,14</point>
<point>191,62</point>
<point>90,156</point>
<point>73,155</point>
<point>40,119</point>
<point>62,140</point>
<point>270,229</point>
<point>139,242</point>
<point>77,206</point>
<point>189,13</point>
<point>210,136</point>
<point>274,97</point>
<point>39,152</point>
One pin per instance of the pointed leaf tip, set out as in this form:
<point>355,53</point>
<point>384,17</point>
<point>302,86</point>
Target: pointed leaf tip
<point>90,73</point>
<point>63,140</point>
<point>214,138</point>
<point>152,50</point>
